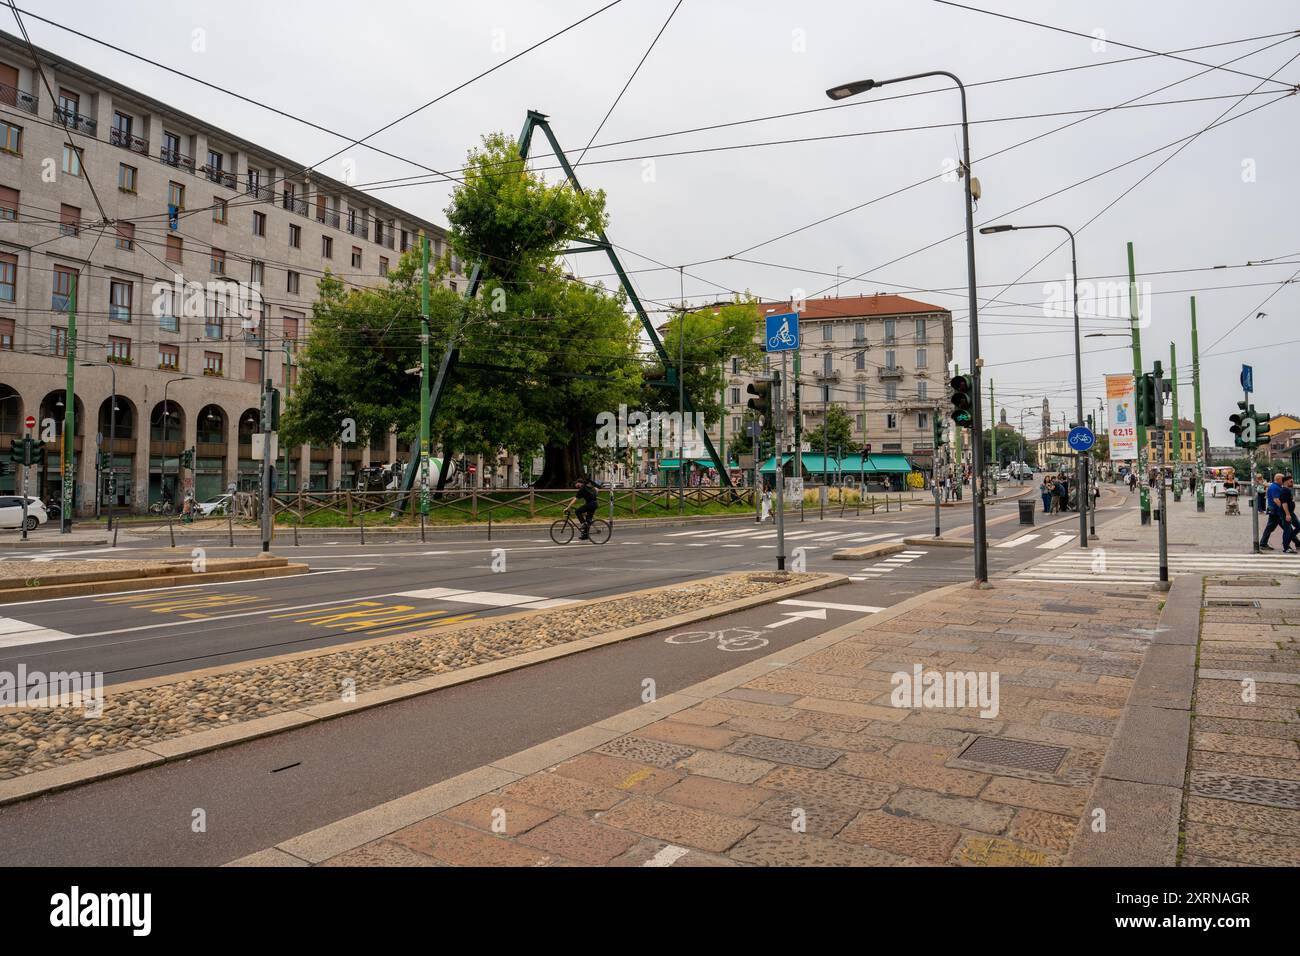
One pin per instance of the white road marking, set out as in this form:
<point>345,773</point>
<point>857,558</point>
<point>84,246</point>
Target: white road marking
<point>489,598</point>
<point>1017,542</point>
<point>1059,541</point>
<point>864,608</point>
<point>791,616</point>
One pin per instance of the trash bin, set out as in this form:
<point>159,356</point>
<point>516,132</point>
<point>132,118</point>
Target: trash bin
<point>1027,510</point>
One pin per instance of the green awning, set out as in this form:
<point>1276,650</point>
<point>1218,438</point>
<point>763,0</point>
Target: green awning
<point>876,465</point>
<point>813,464</point>
<point>671,464</point>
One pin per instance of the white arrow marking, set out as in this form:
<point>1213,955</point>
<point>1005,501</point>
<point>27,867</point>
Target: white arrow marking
<point>791,616</point>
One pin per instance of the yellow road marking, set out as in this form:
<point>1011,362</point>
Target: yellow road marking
<point>441,623</point>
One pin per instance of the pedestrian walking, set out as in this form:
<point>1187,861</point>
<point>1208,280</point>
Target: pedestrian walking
<point>1132,482</point>
<point>1045,492</point>
<point>1273,501</point>
<point>1062,495</point>
<point>1290,524</point>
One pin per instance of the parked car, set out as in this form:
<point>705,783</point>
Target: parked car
<point>11,512</point>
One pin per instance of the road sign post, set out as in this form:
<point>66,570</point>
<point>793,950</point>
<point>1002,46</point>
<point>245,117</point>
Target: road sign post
<point>1081,439</point>
<point>782,335</point>
<point>1163,583</point>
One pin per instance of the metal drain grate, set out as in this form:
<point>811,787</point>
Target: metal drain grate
<point>1229,602</point>
<point>1019,754</point>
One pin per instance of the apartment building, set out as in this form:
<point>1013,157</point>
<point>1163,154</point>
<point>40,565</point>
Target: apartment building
<point>881,358</point>
<point>1186,442</point>
<point>205,240</point>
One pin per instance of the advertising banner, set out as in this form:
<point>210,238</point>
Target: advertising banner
<point>1122,406</point>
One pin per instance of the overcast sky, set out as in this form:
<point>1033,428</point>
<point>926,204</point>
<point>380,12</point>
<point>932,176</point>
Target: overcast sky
<point>1228,198</point>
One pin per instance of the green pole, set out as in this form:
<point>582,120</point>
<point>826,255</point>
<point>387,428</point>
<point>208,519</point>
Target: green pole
<point>1196,415</point>
<point>956,441</point>
<point>1135,333</point>
<point>288,365</point>
<point>798,415</point>
<point>1177,446</point>
<point>993,431</point>
<point>722,421</point>
<point>70,414</point>
<point>424,375</point>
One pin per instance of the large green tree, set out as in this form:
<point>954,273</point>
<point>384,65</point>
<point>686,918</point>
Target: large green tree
<point>836,433</point>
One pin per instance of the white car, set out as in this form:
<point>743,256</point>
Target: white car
<point>11,512</point>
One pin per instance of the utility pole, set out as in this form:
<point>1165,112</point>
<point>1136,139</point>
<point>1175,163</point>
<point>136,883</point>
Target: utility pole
<point>681,400</point>
<point>288,366</point>
<point>1163,583</point>
<point>798,411</point>
<point>67,461</point>
<point>424,375</point>
<point>1198,441</point>
<point>1176,438</point>
<point>268,458</point>
<point>779,414</point>
<point>956,441</point>
<point>1143,464</point>
<point>993,434</point>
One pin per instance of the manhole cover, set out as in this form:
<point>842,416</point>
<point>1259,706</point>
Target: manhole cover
<point>1019,754</point>
<point>1070,609</point>
<point>1225,602</point>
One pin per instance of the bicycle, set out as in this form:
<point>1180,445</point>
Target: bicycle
<point>744,639</point>
<point>160,508</point>
<point>562,529</point>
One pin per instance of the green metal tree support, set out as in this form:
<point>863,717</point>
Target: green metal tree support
<point>451,356</point>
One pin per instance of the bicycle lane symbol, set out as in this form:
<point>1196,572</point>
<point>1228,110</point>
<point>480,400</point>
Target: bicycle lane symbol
<point>727,639</point>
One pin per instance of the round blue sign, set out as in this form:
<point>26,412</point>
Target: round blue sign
<point>1082,438</point>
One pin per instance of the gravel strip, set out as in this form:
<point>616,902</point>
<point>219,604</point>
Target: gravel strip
<point>49,571</point>
<point>38,739</point>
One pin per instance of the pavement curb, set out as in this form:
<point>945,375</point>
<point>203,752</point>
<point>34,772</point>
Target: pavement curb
<point>14,596</point>
<point>939,542</point>
<point>17,789</point>
<point>868,551</point>
<point>1139,787</point>
<point>361,828</point>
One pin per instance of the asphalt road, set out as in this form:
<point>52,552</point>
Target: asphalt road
<point>259,793</point>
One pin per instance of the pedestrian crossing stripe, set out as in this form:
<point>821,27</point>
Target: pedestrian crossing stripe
<point>1058,541</point>
<point>1017,542</point>
<point>15,633</point>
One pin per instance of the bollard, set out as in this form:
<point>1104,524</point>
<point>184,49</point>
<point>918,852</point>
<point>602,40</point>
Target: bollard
<point>295,532</point>
<point>115,536</point>
<point>422,541</point>
<point>363,527</point>
<point>489,526</point>
<point>171,532</point>
<point>230,525</point>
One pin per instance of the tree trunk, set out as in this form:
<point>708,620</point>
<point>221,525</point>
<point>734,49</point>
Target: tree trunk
<point>563,465</point>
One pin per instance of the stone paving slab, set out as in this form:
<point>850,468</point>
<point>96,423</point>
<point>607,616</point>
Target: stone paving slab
<point>751,774</point>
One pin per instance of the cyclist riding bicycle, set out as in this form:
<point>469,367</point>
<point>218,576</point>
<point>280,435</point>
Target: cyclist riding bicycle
<point>587,510</point>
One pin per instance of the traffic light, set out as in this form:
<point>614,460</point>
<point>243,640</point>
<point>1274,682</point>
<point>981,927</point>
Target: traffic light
<point>275,409</point>
<point>1148,409</point>
<point>761,403</point>
<point>105,461</point>
<point>963,399</point>
<point>1243,426</point>
<point>25,451</point>
<point>1262,427</point>
<point>939,438</point>
<point>187,459</point>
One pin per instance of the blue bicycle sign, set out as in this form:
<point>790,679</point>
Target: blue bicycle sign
<point>1081,438</point>
<point>783,332</point>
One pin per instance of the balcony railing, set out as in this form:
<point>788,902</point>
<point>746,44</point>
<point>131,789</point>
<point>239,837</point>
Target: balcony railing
<point>260,191</point>
<point>12,96</point>
<point>120,137</point>
<point>358,228</point>
<point>295,204</point>
<point>827,375</point>
<point>174,157</point>
<point>74,120</point>
<point>386,240</point>
<point>219,176</point>
<point>891,372</point>
<point>328,216</point>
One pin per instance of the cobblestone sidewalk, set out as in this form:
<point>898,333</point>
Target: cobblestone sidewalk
<point>801,758</point>
<point>1242,805</point>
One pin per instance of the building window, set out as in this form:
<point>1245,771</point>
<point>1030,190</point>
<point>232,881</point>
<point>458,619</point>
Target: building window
<point>62,295</point>
<point>8,203</point>
<point>356,257</point>
<point>890,360</point>
<point>58,340</point>
<point>119,301</point>
<point>891,391</point>
<point>735,396</point>
<point>862,392</point>
<point>259,224</point>
<point>8,278</point>
<point>828,333</point>
<point>119,350</point>
<point>69,220</point>
<point>176,195</point>
<point>383,266</point>
<point>827,362</point>
<point>168,321</point>
<point>125,236</point>
<point>219,212</point>
<point>212,363</point>
<point>174,249</point>
<point>11,138</point>
<point>735,424</point>
<point>6,336</point>
<point>735,366</point>
<point>921,331</point>
<point>171,148</point>
<point>127,177</point>
<point>859,332</point>
<point>212,324</point>
<point>291,278</point>
<point>256,270</point>
<point>404,240</point>
<point>295,236</point>
<point>922,421</point>
<point>890,331</point>
<point>71,160</point>
<point>216,161</point>
<point>326,247</point>
<point>217,262</point>
<point>922,390</point>
<point>291,327</point>
<point>169,357</point>
<point>860,361</point>
<point>123,124</point>
<point>891,420</point>
<point>826,394</point>
<point>861,422</point>
<point>252,370</point>
<point>290,190</point>
<point>922,358</point>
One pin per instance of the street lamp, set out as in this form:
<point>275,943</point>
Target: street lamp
<point>972,192</point>
<point>1081,460</point>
